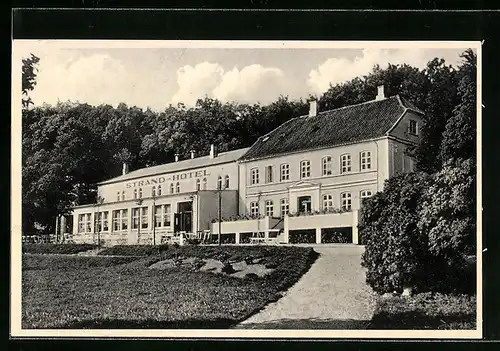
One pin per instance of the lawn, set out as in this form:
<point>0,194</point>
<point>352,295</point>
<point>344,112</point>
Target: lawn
<point>426,311</point>
<point>122,292</point>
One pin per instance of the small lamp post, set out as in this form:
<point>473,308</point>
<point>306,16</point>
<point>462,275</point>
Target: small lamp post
<point>154,217</point>
<point>139,203</point>
<point>220,188</point>
<point>99,202</point>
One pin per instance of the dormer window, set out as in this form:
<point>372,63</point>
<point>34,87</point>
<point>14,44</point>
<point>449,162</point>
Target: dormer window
<point>413,127</point>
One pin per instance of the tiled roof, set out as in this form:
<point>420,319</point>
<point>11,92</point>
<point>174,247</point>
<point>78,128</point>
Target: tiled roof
<point>197,162</point>
<point>348,124</point>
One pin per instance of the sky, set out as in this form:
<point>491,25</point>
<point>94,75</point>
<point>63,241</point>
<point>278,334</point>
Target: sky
<point>155,77</point>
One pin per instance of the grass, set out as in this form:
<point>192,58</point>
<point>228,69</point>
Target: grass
<point>56,248</point>
<point>426,311</point>
<point>122,292</point>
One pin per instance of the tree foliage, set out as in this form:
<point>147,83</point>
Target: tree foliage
<point>460,131</point>
<point>28,82</point>
<point>395,254</point>
<point>420,229</point>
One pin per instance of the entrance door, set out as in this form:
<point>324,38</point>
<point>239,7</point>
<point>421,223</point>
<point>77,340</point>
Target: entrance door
<point>304,204</point>
<point>184,217</point>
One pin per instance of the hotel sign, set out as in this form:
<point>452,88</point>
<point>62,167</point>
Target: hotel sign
<point>163,179</point>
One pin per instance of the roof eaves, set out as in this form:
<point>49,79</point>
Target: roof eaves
<point>314,149</point>
<point>120,179</point>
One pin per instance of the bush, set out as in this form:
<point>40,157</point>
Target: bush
<point>41,262</point>
<point>193,241</point>
<point>56,248</point>
<point>395,253</point>
<point>133,250</point>
<point>406,243</point>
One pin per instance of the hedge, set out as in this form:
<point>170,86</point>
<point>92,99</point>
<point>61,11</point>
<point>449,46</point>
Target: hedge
<point>56,248</point>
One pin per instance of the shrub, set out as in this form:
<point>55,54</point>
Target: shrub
<point>193,242</point>
<point>57,248</point>
<point>133,250</point>
<point>395,254</point>
<point>41,262</point>
<point>417,233</point>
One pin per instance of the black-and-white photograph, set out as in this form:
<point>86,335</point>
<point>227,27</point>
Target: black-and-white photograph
<point>185,187</point>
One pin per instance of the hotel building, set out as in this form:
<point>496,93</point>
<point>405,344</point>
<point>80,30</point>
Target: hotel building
<point>307,177</point>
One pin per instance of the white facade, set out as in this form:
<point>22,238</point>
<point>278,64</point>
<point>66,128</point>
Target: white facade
<point>313,190</point>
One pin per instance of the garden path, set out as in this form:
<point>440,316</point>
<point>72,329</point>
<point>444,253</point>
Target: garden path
<point>331,295</point>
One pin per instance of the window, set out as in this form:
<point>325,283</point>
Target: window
<point>166,215</point>
<point>254,176</point>
<point>81,223</point>
<point>226,180</point>
<point>284,207</point>
<point>102,221</point>
<point>327,165</point>
<point>365,194</point>
<point>254,208</point>
<point>120,220</point>
<point>153,191</point>
<point>269,174</point>
<point>345,162</point>
<point>139,215</point>
<point>144,217</point>
<point>140,193</point>
<point>305,169</point>
<point>198,185</point>
<point>123,195</point>
<point>162,215</point>
<point>177,187</point>
<point>219,182</point>
<point>346,201</point>
<point>159,190</point>
<point>118,196</point>
<point>135,193</point>
<point>327,201</point>
<point>285,172</point>
<point>269,208</point>
<point>171,188</point>
<point>84,223</point>
<point>135,218</point>
<point>413,127</point>
<point>365,158</point>
<point>204,183</point>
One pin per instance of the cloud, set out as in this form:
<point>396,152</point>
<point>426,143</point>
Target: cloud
<point>253,83</point>
<point>342,69</point>
<point>94,79</point>
<point>196,82</point>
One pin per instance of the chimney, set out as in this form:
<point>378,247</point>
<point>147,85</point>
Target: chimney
<point>380,93</point>
<point>124,168</point>
<point>176,157</point>
<point>192,153</point>
<point>213,151</point>
<point>313,108</point>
